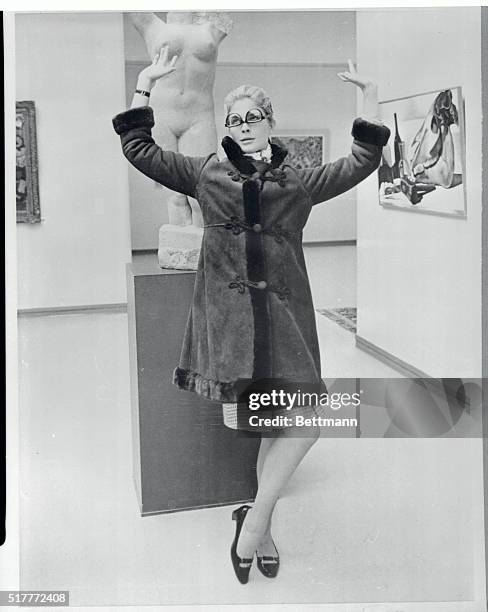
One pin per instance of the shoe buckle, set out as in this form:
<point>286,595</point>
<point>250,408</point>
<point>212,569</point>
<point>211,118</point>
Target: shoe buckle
<point>269,560</point>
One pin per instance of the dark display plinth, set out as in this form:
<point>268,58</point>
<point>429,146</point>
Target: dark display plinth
<point>184,456</point>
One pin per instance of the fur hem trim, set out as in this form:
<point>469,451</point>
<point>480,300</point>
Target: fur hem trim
<point>370,133</point>
<point>206,387</point>
<point>141,116</point>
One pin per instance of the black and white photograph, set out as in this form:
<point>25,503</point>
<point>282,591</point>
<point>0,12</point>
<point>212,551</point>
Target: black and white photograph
<point>239,375</point>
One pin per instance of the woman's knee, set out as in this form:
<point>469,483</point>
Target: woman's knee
<point>309,435</point>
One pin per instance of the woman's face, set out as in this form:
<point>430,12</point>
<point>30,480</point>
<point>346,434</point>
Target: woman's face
<point>251,137</point>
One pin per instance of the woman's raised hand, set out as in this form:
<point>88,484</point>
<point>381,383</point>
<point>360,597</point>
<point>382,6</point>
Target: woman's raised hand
<point>147,78</point>
<point>352,76</point>
<point>367,86</point>
<point>160,66</point>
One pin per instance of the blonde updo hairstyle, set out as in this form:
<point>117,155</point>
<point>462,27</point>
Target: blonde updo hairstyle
<point>257,95</point>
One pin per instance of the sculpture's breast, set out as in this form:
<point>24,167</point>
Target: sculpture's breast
<point>190,41</point>
<point>197,47</point>
<point>176,44</point>
<point>201,46</point>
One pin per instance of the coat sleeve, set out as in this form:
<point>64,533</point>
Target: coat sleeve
<point>174,170</point>
<point>325,182</point>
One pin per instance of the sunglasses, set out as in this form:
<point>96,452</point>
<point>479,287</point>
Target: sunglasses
<point>255,115</point>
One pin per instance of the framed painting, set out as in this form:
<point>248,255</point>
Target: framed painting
<point>26,167</point>
<point>423,167</point>
<point>304,150</point>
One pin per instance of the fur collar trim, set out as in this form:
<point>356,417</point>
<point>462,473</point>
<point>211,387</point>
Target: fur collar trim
<point>245,164</point>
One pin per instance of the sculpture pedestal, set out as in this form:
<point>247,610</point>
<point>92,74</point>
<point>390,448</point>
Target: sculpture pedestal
<point>183,455</point>
<point>179,246</point>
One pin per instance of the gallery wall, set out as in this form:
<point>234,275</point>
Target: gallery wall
<point>72,67</point>
<point>419,276</point>
<point>295,56</point>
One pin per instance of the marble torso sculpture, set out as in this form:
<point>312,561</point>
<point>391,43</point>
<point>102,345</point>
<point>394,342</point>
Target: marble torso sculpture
<point>184,114</point>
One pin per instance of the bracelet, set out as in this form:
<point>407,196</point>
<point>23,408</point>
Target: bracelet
<point>143,92</point>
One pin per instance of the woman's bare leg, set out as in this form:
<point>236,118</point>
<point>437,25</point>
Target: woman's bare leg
<point>266,546</point>
<point>264,447</point>
<point>282,458</point>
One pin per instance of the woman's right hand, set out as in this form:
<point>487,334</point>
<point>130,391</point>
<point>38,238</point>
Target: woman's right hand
<point>159,68</point>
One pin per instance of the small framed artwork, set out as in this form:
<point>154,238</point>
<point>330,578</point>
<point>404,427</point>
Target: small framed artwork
<point>26,168</point>
<point>304,150</point>
<point>423,167</point>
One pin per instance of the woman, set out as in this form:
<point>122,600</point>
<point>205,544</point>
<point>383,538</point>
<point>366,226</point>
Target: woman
<point>252,315</point>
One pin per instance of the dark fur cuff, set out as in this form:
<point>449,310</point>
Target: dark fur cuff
<point>206,387</point>
<point>141,116</point>
<point>370,133</point>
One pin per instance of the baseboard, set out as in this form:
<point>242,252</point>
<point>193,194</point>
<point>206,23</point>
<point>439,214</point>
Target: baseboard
<point>404,368</point>
<point>63,310</point>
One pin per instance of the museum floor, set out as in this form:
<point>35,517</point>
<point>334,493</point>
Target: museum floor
<point>342,536</point>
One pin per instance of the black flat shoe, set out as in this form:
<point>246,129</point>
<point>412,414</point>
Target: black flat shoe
<point>269,565</point>
<point>242,566</point>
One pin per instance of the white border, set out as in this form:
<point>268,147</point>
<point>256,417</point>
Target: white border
<point>268,5</point>
<point>394,606</point>
<point>9,552</point>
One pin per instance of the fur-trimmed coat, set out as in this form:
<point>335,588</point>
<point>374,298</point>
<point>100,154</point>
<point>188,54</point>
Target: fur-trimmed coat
<point>252,315</point>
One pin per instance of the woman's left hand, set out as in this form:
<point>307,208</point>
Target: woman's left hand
<point>367,86</point>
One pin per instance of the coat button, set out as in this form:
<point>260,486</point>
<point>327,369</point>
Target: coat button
<point>257,227</point>
<point>262,285</point>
